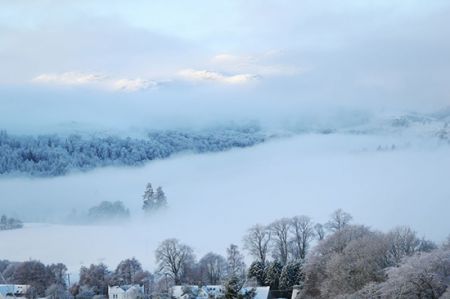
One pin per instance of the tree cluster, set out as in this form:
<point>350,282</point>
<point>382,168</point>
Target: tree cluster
<point>53,155</point>
<point>9,223</point>
<point>354,261</point>
<point>177,261</point>
<point>346,261</point>
<point>286,239</point>
<point>153,201</point>
<point>44,280</point>
<point>350,261</point>
<point>95,279</point>
<point>108,211</point>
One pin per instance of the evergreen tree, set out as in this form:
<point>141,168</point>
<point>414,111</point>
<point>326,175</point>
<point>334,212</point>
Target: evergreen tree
<point>291,275</point>
<point>235,261</point>
<point>232,287</point>
<point>257,271</point>
<point>148,198</point>
<point>153,200</point>
<point>273,275</point>
<point>160,198</point>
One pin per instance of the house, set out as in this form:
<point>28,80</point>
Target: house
<point>13,291</point>
<point>215,291</point>
<point>295,292</point>
<point>126,292</point>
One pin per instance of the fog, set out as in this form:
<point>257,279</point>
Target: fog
<point>214,198</point>
<point>295,68</point>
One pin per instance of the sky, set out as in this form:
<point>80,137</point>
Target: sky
<point>272,57</point>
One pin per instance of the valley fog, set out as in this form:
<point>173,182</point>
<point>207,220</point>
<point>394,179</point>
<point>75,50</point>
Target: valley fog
<point>214,198</point>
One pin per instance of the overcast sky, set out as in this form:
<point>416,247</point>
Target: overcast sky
<point>220,55</point>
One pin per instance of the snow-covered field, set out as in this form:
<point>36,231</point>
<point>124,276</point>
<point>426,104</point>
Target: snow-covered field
<point>214,198</point>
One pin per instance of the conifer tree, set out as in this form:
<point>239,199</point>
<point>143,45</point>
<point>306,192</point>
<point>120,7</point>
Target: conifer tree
<point>257,271</point>
<point>290,275</point>
<point>273,273</point>
<point>160,198</point>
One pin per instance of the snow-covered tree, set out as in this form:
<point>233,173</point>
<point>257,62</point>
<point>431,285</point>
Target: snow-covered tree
<point>319,231</point>
<point>173,258</point>
<point>153,201</point>
<point>52,155</point>
<point>403,242</point>
<point>9,223</point>
<point>160,198</point>
<point>213,268</point>
<point>291,275</point>
<point>338,220</point>
<point>95,278</point>
<point>257,241</point>
<point>273,274</point>
<point>235,262</point>
<point>280,239</point>
<point>446,244</point>
<point>302,234</point>
<point>128,272</point>
<point>257,270</point>
<point>424,275</point>
<point>324,254</point>
<point>108,211</point>
<point>233,286</point>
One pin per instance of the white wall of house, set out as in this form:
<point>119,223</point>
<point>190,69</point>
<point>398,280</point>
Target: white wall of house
<point>133,292</point>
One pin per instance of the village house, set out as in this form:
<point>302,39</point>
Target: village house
<point>126,292</point>
<point>13,291</point>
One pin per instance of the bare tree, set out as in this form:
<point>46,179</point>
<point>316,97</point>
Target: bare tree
<point>173,257</point>
<point>320,231</point>
<point>58,271</point>
<point>96,278</point>
<point>127,271</point>
<point>256,242</point>
<point>303,232</point>
<point>338,220</point>
<point>280,238</point>
<point>213,267</point>
<point>403,242</point>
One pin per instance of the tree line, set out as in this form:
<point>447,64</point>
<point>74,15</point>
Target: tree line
<point>337,259</point>
<point>7,223</point>
<point>53,155</point>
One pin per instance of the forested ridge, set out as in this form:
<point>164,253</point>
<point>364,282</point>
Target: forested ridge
<point>53,155</point>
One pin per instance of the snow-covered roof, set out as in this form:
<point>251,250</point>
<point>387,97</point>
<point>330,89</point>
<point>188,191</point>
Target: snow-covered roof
<point>178,291</point>
<point>125,288</point>
<point>215,291</point>
<point>16,289</point>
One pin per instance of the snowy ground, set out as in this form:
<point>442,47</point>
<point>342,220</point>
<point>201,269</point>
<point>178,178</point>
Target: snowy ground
<point>214,198</point>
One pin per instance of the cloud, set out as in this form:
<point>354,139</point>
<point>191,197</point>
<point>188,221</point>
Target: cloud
<point>205,75</point>
<point>94,80</point>
<point>133,84</point>
<point>69,78</point>
<point>266,64</point>
<point>347,53</point>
